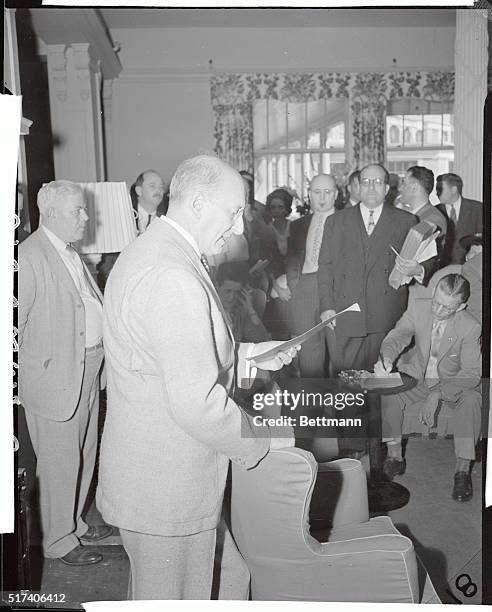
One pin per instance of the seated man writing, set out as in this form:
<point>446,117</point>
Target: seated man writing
<point>446,361</point>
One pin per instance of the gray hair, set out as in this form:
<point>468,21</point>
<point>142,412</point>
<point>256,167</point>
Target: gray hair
<point>203,173</point>
<point>52,193</point>
<point>455,285</point>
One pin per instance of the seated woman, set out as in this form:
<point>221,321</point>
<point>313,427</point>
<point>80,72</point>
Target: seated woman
<point>237,297</point>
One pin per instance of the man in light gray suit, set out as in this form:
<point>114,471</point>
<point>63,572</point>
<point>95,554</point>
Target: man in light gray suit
<point>172,424</point>
<point>60,356</point>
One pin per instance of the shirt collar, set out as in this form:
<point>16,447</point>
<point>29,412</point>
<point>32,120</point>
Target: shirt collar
<point>143,213</point>
<point>186,235</point>
<point>416,210</point>
<point>57,242</point>
<point>377,211</point>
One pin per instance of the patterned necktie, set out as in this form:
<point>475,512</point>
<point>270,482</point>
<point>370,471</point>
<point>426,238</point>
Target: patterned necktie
<point>318,238</point>
<point>371,225</point>
<point>436,335</point>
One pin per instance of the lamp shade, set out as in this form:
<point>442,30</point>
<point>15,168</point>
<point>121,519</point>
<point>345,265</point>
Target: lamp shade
<point>111,226</point>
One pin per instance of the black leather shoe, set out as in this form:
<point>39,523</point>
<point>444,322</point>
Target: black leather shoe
<point>394,467</point>
<point>81,556</point>
<point>96,533</point>
<point>463,488</point>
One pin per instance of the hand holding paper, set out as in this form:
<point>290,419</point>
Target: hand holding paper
<point>262,357</point>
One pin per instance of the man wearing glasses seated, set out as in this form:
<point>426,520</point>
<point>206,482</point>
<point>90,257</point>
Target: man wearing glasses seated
<point>446,361</point>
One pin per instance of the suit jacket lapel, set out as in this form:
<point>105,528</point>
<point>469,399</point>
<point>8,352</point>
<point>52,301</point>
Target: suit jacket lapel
<point>425,323</point>
<point>194,261</point>
<point>56,263</point>
<point>465,216</point>
<point>449,337</point>
<point>378,243</point>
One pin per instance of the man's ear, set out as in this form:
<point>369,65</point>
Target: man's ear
<point>461,307</point>
<point>51,212</point>
<point>138,191</point>
<point>197,205</point>
<point>387,188</point>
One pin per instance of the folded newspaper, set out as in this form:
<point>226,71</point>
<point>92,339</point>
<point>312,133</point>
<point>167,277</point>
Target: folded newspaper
<point>419,245</point>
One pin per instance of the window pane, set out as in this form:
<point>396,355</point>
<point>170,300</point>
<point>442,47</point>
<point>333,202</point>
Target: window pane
<point>412,131</point>
<point>448,130</point>
<point>335,138</point>
<point>432,130</point>
<point>282,171</point>
<point>261,178</point>
<point>295,172</point>
<point>311,165</point>
<point>296,120</point>
<point>316,123</point>
<point>260,129</point>
<point>277,124</point>
<point>394,130</point>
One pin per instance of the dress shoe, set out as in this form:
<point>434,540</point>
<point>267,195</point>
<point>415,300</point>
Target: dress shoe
<point>463,489</point>
<point>96,533</point>
<point>394,467</point>
<point>81,556</point>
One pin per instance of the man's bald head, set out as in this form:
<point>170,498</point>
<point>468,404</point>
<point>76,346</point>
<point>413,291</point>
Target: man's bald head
<point>149,188</point>
<point>207,197</point>
<point>323,193</point>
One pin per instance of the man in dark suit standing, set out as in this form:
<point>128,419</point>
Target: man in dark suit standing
<point>415,190</point>
<point>147,194</point>
<point>303,249</point>
<point>464,216</point>
<point>355,262</point>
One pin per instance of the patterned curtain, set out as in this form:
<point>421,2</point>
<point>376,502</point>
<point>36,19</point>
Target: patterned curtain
<point>232,97</point>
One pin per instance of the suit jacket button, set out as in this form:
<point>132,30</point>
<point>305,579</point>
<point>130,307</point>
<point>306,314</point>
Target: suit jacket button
<point>79,305</point>
<point>81,333</point>
<point>82,362</point>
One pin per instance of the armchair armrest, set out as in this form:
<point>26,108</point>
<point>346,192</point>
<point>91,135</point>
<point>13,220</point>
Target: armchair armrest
<point>341,493</point>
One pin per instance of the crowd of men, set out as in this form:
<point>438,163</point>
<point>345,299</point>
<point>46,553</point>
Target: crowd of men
<point>213,276</point>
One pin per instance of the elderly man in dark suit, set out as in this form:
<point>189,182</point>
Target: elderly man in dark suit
<point>60,357</point>
<point>415,190</point>
<point>303,249</point>
<point>446,361</point>
<point>464,216</point>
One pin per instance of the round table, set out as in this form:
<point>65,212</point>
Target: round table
<point>384,495</point>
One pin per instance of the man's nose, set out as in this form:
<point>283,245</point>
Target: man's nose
<point>84,216</point>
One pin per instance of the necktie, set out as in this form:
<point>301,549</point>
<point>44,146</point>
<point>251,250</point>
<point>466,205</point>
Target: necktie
<point>318,238</point>
<point>431,371</point>
<point>371,225</point>
<point>148,221</point>
<point>452,215</point>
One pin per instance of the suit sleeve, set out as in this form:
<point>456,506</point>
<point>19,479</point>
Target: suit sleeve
<point>399,337</point>
<point>469,374</point>
<point>184,346</point>
<point>293,263</point>
<point>326,278</point>
<point>27,294</point>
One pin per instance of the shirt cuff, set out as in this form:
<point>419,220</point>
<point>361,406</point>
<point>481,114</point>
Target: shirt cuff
<point>420,277</point>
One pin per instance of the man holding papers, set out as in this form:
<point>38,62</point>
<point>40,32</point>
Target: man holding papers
<point>172,424</point>
<point>446,361</point>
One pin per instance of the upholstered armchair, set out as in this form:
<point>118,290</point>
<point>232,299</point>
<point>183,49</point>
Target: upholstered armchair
<point>365,560</point>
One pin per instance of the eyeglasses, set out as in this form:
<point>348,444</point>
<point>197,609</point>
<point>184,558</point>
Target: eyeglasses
<point>365,182</point>
<point>446,309</point>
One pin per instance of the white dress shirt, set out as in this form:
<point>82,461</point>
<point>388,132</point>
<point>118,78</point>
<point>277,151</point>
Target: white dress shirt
<point>92,304</point>
<point>313,241</point>
<point>366,211</point>
<point>143,219</point>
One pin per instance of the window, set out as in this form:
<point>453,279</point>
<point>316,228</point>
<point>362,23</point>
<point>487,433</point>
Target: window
<point>295,141</point>
<point>420,133</point>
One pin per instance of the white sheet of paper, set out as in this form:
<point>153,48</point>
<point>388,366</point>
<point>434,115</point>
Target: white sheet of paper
<point>302,337</point>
